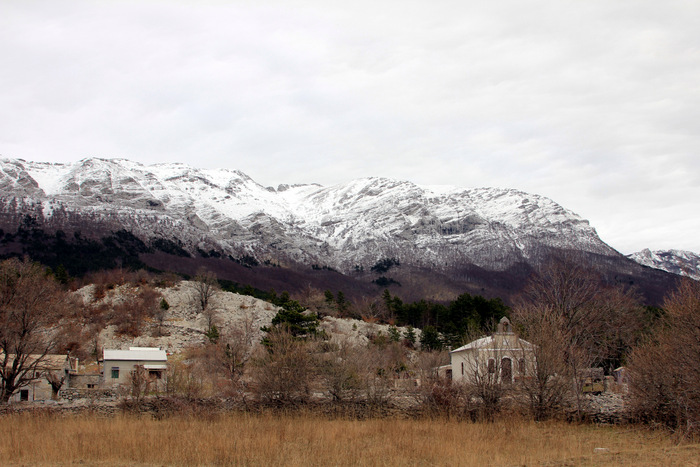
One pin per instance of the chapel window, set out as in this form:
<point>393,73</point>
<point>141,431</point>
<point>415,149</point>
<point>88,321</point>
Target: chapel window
<point>492,365</point>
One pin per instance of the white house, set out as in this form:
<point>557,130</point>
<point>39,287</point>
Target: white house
<point>119,365</point>
<point>502,357</point>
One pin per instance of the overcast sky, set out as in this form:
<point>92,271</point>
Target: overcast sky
<point>595,104</point>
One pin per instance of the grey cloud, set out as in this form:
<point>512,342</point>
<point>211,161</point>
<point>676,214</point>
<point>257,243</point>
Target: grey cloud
<point>593,104</point>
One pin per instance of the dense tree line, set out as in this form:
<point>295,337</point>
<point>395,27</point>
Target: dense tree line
<point>466,315</point>
<point>75,253</point>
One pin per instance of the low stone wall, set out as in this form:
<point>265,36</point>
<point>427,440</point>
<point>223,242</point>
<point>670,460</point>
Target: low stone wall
<point>71,394</point>
<point>605,408</point>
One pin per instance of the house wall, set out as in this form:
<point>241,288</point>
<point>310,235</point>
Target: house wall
<point>125,368</point>
<point>37,390</point>
<point>444,372</point>
<point>84,381</point>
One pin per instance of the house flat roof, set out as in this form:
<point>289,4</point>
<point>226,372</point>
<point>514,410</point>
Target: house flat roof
<point>136,354</point>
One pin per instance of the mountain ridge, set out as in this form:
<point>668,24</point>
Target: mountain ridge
<point>364,218</point>
<point>680,262</point>
<point>483,238</point>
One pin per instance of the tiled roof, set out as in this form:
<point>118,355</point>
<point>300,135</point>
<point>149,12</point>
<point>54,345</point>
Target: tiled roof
<point>48,361</point>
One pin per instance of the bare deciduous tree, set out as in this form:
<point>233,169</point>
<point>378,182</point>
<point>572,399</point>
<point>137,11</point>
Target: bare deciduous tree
<point>234,350</point>
<point>340,370</point>
<point>318,301</point>
<point>129,315</point>
<point>437,393</point>
<point>183,379</point>
<point>577,323</point>
<point>596,318</point>
<point>56,382</point>
<point>665,371</point>
<point>487,382</point>
<point>370,309</point>
<point>548,383</point>
<point>218,367</point>
<point>31,304</point>
<point>204,288</point>
<point>140,382</point>
<point>380,366</point>
<point>284,370</point>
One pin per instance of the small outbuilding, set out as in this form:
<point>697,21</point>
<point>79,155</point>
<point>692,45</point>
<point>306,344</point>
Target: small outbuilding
<point>502,357</point>
<point>119,365</point>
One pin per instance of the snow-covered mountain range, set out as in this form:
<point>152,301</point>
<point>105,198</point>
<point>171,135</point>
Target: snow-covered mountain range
<point>354,223</point>
<point>684,263</point>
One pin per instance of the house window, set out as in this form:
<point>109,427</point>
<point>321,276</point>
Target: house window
<point>115,372</point>
<point>155,374</point>
<point>91,386</point>
<point>24,394</point>
<point>521,366</point>
<point>492,365</point>
<point>462,368</point>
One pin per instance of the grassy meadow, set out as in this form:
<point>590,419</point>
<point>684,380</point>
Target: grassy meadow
<point>305,440</point>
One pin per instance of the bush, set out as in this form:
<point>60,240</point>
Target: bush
<point>282,373</point>
<point>129,316</point>
<point>665,371</point>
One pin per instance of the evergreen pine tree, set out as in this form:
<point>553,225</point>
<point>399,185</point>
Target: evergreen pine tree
<point>212,334</point>
<point>342,303</point>
<point>430,339</point>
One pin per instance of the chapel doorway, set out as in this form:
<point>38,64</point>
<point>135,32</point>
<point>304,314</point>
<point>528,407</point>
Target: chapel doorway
<point>506,370</point>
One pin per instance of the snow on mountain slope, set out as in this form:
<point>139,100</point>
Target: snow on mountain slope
<point>684,263</point>
<point>357,222</point>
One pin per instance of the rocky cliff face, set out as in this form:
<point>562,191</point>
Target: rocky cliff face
<point>340,226</point>
<point>684,263</point>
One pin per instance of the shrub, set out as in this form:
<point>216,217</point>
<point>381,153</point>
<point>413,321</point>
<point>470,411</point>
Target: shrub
<point>665,371</point>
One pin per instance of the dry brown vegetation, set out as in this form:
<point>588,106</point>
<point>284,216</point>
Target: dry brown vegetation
<point>575,323</point>
<point>265,439</point>
<point>665,370</point>
<point>30,305</point>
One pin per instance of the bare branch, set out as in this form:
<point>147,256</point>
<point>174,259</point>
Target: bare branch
<point>31,305</point>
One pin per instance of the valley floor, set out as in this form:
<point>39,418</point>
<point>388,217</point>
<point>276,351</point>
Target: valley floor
<point>291,440</point>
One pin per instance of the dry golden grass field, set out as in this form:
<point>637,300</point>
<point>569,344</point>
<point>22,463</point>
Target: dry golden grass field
<point>308,440</point>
